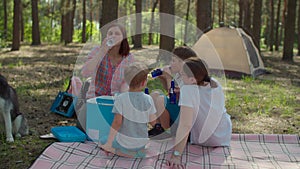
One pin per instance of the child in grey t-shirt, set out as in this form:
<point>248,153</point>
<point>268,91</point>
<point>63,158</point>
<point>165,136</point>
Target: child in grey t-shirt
<point>133,110</point>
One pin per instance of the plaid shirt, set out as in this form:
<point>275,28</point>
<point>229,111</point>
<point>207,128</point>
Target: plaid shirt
<point>108,78</point>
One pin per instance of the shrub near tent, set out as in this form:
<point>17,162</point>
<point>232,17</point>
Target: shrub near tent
<point>230,50</point>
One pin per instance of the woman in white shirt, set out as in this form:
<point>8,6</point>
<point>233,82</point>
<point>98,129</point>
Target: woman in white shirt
<point>203,118</point>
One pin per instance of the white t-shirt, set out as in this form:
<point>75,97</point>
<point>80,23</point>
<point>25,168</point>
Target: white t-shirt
<point>212,125</point>
<point>135,107</point>
<point>178,80</point>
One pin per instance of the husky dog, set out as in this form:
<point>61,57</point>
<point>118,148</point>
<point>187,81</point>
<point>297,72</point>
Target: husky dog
<point>9,112</point>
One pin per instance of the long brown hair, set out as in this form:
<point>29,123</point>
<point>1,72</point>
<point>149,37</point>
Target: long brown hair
<point>184,52</point>
<point>124,48</point>
<point>197,68</point>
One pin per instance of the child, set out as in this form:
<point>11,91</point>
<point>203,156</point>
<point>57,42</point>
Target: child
<point>169,112</point>
<point>129,132</point>
<point>203,116</point>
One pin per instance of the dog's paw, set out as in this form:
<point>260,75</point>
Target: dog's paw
<point>10,139</point>
<point>18,135</point>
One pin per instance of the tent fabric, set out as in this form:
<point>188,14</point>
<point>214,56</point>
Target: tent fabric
<point>229,50</point>
<point>246,151</point>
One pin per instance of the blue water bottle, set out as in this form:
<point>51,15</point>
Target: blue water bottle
<point>146,90</point>
<point>172,94</point>
<point>156,72</point>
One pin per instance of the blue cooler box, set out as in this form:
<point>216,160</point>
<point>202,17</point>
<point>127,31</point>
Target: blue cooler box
<point>99,118</point>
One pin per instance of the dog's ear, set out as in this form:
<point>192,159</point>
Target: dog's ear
<point>4,87</point>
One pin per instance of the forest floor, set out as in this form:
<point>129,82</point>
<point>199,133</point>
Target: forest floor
<point>38,73</point>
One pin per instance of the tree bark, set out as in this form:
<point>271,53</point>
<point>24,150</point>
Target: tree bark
<point>289,31</point>
<point>109,13</point>
<point>167,27</point>
<point>204,18</point>
<point>298,29</point>
<point>257,22</point>
<point>83,33</point>
<point>277,42</point>
<point>152,22</point>
<point>35,23</point>
<point>138,26</point>
<point>267,25</point>
<point>186,21</point>
<point>247,16</point>
<point>22,27</point>
<point>283,21</point>
<point>241,13</point>
<point>5,20</point>
<point>272,25</point>
<point>16,25</point>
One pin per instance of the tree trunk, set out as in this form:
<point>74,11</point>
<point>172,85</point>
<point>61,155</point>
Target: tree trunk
<point>152,22</point>
<point>72,19</point>
<point>5,20</point>
<point>257,22</point>
<point>241,13</point>
<point>203,10</point>
<point>138,26</point>
<point>289,31</point>
<point>22,27</point>
<point>16,25</point>
<point>220,11</point>
<point>109,13</point>
<point>69,15</point>
<point>277,42</point>
<point>83,33</point>
<point>272,25</point>
<point>35,23</point>
<point>247,16</point>
<point>223,10</point>
<point>186,21</point>
<point>298,29</point>
<point>167,27</point>
<point>91,19</point>
<point>63,20</point>
<point>283,20</point>
<point>267,25</point>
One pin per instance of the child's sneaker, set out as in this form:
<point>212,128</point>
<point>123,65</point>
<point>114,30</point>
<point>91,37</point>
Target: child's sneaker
<point>158,133</point>
<point>156,130</point>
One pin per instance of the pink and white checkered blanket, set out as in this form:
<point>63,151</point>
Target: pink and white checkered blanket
<point>246,151</point>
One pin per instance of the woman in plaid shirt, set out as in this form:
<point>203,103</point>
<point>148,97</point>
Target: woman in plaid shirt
<point>106,63</point>
<point>105,67</point>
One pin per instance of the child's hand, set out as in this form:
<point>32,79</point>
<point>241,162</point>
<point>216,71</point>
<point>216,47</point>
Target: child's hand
<point>108,149</point>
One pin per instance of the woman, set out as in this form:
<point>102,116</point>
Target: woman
<point>203,117</point>
<point>106,63</point>
<point>105,66</point>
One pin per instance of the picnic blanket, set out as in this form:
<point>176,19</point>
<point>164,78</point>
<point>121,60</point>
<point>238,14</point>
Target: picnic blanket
<point>246,151</point>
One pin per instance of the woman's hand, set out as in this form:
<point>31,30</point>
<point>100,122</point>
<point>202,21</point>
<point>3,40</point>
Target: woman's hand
<point>175,162</point>
<point>104,45</point>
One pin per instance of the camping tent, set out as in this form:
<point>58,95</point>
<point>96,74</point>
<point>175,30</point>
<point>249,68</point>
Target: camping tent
<point>230,50</point>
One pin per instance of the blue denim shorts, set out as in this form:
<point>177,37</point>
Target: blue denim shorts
<point>136,152</point>
<point>173,110</point>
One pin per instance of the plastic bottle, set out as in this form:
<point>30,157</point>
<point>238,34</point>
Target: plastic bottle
<point>146,90</point>
<point>156,72</point>
<point>172,94</point>
<point>110,42</point>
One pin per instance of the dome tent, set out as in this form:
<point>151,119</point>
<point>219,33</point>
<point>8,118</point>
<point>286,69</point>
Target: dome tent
<point>230,50</point>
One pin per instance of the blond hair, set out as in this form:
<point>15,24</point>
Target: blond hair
<point>135,74</point>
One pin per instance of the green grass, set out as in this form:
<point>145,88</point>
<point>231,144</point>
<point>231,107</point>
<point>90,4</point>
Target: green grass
<point>250,100</point>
